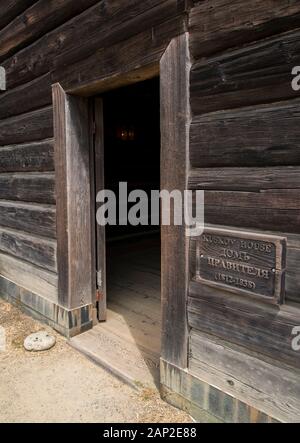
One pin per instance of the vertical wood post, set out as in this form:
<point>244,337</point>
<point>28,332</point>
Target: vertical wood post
<point>73,199</point>
<point>2,79</point>
<point>175,123</point>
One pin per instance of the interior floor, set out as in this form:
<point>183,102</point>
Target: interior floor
<point>128,343</point>
<point>133,269</point>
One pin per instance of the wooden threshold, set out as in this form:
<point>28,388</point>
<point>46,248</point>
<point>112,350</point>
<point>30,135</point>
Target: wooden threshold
<point>128,343</point>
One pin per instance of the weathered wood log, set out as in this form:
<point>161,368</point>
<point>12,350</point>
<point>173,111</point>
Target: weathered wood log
<point>216,25</point>
<point>292,274</point>
<point>141,52</point>
<point>99,21</point>
<point>40,18</point>
<point>32,249</point>
<point>273,209</point>
<point>175,69</point>
<point>261,328</point>
<point>254,74</point>
<point>243,376</point>
<point>256,218</point>
<point>115,23</point>
<point>73,181</point>
<point>36,125</point>
<point>11,9</point>
<point>27,217</point>
<point>264,199</point>
<point>247,137</point>
<point>245,179</point>
<point>26,98</point>
<point>30,277</point>
<point>36,156</point>
<point>31,187</point>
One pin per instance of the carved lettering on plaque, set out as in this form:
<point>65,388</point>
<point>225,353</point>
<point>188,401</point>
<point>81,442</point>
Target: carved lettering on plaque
<point>242,262</point>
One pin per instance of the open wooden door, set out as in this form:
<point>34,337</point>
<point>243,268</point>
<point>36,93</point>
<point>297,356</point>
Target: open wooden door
<point>100,230</point>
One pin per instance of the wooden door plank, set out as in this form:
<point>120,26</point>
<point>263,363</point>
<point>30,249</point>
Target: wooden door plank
<point>100,230</point>
<point>175,114</point>
<point>73,184</point>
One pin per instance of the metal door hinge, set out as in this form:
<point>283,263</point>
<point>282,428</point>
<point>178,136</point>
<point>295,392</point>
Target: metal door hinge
<point>99,295</point>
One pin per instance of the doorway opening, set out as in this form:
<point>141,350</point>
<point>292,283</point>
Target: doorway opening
<point>132,330</point>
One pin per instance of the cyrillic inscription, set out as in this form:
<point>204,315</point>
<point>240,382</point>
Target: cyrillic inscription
<point>240,261</point>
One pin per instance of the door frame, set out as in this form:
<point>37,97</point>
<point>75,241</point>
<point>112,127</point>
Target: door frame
<point>97,172</point>
<point>75,194</point>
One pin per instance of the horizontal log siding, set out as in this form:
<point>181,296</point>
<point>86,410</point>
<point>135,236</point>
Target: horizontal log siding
<point>245,154</point>
<point>44,42</point>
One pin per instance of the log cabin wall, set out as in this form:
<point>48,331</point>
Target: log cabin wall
<point>245,154</point>
<point>42,43</point>
<point>244,151</point>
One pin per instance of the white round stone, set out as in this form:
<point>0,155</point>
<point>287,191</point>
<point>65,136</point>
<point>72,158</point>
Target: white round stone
<point>39,341</point>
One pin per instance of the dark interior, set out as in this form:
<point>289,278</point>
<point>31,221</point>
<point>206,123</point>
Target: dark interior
<point>132,144</point>
<point>132,155</point>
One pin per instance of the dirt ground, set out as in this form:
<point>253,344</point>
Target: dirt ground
<point>61,385</point>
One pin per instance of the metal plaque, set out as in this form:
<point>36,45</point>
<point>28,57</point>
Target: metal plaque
<point>243,262</point>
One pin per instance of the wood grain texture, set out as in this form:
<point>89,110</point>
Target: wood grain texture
<point>174,75</point>
<point>133,323</point>
<point>36,156</point>
<point>111,22</point>
<point>30,187</point>
<point>245,179</point>
<point>257,218</point>
<point>73,184</point>
<point>47,310</point>
<point>140,52</point>
<point>11,9</point>
<point>89,32</point>
<point>60,141</point>
<point>26,98</point>
<point>27,276</point>
<point>30,248</point>
<point>257,327</point>
<point>204,401</point>
<point>32,218</point>
<point>100,237</point>
<point>262,199</point>
<point>254,218</point>
<point>251,75</point>
<point>266,209</point>
<point>216,25</point>
<point>2,79</point>
<point>40,18</point>
<point>246,159</point>
<point>293,277</point>
<point>37,125</point>
<point>243,376</point>
<point>247,137</point>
